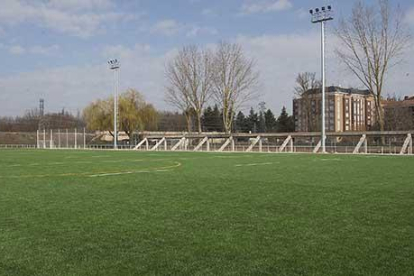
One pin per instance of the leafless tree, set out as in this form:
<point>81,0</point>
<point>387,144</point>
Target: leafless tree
<point>372,40</point>
<point>398,114</point>
<point>306,83</point>
<point>235,80</point>
<point>190,76</point>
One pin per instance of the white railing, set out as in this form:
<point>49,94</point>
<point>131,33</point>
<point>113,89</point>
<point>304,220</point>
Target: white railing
<point>398,142</point>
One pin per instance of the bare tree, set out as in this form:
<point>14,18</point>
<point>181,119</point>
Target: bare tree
<point>398,114</point>
<point>372,41</point>
<point>235,80</point>
<point>190,82</point>
<point>306,84</point>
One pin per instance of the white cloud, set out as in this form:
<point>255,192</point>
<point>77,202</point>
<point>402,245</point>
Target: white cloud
<point>171,27</point>
<point>17,50</point>
<point>67,87</point>
<point>167,27</point>
<point>44,50</point>
<point>409,17</point>
<point>196,30</point>
<point>35,50</point>
<point>302,13</point>
<point>125,53</point>
<point>265,6</point>
<point>80,4</point>
<point>73,87</point>
<point>209,12</point>
<point>76,17</point>
<point>279,59</point>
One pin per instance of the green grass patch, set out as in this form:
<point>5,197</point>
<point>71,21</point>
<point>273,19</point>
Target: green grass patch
<point>139,213</point>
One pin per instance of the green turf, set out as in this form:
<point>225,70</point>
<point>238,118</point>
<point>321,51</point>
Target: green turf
<point>204,214</point>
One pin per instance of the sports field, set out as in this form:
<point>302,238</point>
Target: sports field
<point>142,213</point>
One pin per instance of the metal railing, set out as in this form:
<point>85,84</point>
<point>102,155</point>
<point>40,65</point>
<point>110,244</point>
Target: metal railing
<point>390,142</point>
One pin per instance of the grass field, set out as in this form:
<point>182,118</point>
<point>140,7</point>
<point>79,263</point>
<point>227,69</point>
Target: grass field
<point>140,213</point>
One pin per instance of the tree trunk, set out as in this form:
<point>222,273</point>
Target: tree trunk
<point>199,122</point>
<point>379,113</point>
<point>188,119</point>
<point>380,116</point>
<point>129,134</point>
<point>226,122</point>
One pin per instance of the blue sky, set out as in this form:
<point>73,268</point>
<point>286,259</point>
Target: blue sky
<point>57,49</point>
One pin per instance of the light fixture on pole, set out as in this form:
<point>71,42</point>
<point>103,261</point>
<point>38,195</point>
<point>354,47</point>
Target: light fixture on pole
<point>321,16</point>
<point>115,65</point>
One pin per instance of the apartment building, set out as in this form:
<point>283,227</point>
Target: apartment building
<point>346,109</point>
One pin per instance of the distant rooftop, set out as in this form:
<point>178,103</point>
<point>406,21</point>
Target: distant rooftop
<point>407,102</point>
<point>337,89</point>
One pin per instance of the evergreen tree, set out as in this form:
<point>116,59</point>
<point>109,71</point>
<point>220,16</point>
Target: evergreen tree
<point>291,124</point>
<point>262,122</point>
<point>240,122</point>
<point>252,121</point>
<point>207,118</point>
<point>211,119</point>
<point>218,119</point>
<point>270,121</point>
<point>284,122</point>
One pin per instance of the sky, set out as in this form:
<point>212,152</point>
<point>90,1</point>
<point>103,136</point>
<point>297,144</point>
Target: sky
<point>58,49</point>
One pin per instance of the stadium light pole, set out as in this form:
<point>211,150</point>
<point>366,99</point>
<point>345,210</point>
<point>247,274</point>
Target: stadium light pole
<point>114,65</point>
<point>321,16</point>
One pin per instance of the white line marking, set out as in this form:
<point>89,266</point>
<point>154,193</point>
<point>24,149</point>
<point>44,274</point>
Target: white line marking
<point>164,169</point>
<point>333,159</point>
<point>96,174</point>
<point>110,174</point>
<point>253,164</point>
<point>231,156</point>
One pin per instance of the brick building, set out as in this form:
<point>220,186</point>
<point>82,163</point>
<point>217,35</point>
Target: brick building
<point>346,110</point>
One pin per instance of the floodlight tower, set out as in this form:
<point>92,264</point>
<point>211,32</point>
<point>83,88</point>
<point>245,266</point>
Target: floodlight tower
<point>114,65</point>
<point>42,107</point>
<point>322,15</point>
